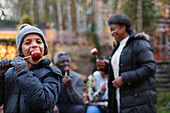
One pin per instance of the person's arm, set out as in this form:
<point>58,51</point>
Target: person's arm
<point>4,66</point>
<point>1,91</point>
<point>76,93</point>
<point>40,96</point>
<point>147,66</point>
<point>94,94</point>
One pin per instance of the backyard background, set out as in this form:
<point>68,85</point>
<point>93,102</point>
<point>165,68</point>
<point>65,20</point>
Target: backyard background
<point>77,26</point>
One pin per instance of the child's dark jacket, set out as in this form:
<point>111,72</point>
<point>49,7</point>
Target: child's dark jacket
<point>36,91</point>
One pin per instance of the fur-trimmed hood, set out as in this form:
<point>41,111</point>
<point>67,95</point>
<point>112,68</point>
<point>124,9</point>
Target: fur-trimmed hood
<point>142,35</point>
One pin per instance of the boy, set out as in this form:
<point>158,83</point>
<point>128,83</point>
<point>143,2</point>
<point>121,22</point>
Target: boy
<point>27,85</point>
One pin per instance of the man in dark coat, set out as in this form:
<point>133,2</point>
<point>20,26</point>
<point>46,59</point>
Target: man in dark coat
<point>71,96</point>
<point>132,67</point>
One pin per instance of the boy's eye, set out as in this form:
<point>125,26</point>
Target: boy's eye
<point>27,42</point>
<point>39,41</point>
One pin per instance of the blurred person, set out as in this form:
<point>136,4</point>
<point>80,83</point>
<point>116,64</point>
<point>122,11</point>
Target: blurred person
<point>28,85</point>
<point>71,97</point>
<point>97,87</point>
<point>132,66</point>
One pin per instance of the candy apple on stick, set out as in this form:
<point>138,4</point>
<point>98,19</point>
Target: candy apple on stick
<point>66,69</point>
<point>94,52</point>
<point>35,55</point>
<point>100,64</point>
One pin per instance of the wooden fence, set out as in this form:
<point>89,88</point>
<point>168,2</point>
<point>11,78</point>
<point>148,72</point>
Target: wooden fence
<point>163,76</point>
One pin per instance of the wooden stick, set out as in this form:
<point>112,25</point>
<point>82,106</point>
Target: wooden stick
<point>27,57</point>
<point>65,74</point>
<point>96,57</point>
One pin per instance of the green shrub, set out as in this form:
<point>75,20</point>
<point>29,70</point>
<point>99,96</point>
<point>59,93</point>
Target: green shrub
<point>162,100</point>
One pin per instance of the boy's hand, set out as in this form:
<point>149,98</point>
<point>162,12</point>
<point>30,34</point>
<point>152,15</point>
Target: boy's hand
<point>20,65</point>
<point>4,66</point>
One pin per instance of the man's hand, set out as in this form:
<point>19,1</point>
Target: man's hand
<point>67,80</point>
<point>117,83</point>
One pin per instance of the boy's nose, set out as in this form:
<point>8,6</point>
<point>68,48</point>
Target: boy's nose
<point>34,45</point>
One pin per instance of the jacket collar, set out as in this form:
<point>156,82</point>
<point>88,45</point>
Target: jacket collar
<point>42,63</point>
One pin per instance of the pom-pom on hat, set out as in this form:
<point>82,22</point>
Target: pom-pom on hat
<point>26,29</point>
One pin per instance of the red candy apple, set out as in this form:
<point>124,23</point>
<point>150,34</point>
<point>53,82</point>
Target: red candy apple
<point>36,55</point>
<point>66,69</point>
<point>94,51</point>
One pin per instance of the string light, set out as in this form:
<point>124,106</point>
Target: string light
<point>7,45</point>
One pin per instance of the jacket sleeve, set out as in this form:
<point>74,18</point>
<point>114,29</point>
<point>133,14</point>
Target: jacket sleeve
<point>144,65</point>
<point>1,91</point>
<point>40,96</point>
<point>76,94</point>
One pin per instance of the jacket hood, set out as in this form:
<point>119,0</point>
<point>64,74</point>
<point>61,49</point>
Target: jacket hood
<point>142,35</point>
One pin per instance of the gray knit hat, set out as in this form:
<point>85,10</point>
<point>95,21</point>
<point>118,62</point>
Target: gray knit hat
<point>26,29</point>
